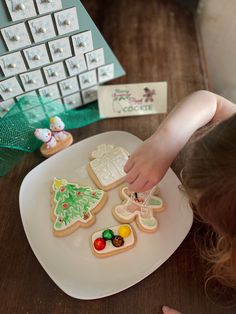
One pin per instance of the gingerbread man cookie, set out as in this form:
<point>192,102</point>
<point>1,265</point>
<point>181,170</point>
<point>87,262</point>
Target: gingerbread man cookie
<point>139,207</point>
<point>106,168</point>
<point>74,205</point>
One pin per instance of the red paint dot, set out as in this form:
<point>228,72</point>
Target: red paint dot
<point>99,244</point>
<point>78,193</point>
<point>62,189</point>
<point>94,193</point>
<point>65,205</point>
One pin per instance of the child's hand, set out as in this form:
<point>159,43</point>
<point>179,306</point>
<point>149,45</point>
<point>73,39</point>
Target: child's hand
<point>167,310</point>
<point>148,164</point>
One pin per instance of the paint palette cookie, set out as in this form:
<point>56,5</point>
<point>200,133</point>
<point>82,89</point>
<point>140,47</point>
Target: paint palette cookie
<point>106,168</point>
<point>139,207</point>
<point>74,206</point>
<point>114,240</point>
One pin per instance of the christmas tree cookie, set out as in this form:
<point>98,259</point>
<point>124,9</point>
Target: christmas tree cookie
<point>74,205</point>
<point>116,239</point>
<point>139,207</point>
<point>106,168</point>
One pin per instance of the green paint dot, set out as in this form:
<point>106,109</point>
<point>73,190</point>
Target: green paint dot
<point>108,234</point>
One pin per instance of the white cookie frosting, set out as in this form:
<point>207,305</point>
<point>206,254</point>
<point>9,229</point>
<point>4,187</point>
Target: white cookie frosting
<point>109,165</point>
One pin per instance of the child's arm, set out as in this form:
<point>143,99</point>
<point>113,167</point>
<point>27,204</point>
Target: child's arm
<point>149,163</point>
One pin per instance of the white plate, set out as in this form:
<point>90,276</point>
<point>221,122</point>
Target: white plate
<point>69,261</point>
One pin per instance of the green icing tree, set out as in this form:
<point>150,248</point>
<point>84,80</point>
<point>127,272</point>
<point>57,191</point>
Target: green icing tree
<point>73,202</point>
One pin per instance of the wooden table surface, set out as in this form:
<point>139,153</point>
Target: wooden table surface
<point>154,40</point>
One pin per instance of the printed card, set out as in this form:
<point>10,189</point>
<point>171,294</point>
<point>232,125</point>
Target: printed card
<point>132,99</point>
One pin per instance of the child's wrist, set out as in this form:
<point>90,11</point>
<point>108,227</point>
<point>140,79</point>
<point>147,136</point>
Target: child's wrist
<point>169,144</point>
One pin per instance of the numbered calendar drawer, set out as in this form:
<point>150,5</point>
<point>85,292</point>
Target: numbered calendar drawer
<point>42,28</point>
<point>55,107</point>
<point>20,10</point>
<point>49,93</point>
<point>5,106</point>
<point>10,88</point>
<point>90,94</point>
<point>82,42</point>
<point>95,58</point>
<point>76,65</point>
<point>46,6</point>
<point>36,56</point>
<point>12,64</point>
<point>60,49</point>
<point>67,21</point>
<point>32,80</point>
<point>16,36</point>
<point>28,100</point>
<point>72,101</point>
<point>88,79</point>
<point>106,73</point>
<point>54,73</point>
<point>69,86</point>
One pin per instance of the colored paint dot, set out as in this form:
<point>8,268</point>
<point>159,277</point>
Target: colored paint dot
<point>117,241</point>
<point>99,244</point>
<point>62,189</point>
<point>124,231</point>
<point>108,234</point>
<point>65,205</point>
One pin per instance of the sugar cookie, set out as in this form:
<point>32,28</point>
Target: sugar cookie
<point>106,168</point>
<point>74,205</point>
<point>139,207</point>
<point>114,240</point>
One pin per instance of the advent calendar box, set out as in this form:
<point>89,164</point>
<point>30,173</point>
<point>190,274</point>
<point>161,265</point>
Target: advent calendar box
<point>51,49</point>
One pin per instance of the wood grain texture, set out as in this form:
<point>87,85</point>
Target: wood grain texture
<point>154,40</point>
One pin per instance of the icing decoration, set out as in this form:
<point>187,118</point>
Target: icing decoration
<point>108,234</point>
<point>59,183</point>
<point>73,203</point>
<point>99,244</point>
<point>101,150</point>
<point>117,241</point>
<point>109,163</point>
<point>139,207</point>
<point>124,231</point>
<point>115,244</point>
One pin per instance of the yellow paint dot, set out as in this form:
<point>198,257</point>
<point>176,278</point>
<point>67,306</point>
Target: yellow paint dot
<point>57,183</point>
<point>124,231</point>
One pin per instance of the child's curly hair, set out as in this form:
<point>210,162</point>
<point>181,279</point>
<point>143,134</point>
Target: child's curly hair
<point>209,179</point>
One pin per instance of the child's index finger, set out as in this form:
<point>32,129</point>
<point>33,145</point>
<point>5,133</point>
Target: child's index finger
<point>129,165</point>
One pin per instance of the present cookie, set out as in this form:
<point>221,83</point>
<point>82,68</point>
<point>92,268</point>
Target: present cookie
<point>106,168</point>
